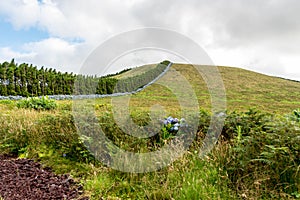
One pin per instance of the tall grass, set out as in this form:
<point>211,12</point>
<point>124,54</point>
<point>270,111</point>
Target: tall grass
<point>257,156</point>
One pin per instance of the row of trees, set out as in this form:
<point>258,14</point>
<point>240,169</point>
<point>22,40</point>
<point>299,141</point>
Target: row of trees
<point>28,80</point>
<point>133,83</point>
<point>109,85</point>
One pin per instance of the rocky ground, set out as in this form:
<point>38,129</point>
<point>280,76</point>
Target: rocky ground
<point>26,179</point>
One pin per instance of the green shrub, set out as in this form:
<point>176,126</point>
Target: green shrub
<point>250,121</point>
<point>36,103</point>
<point>295,116</point>
<point>263,158</point>
<point>60,134</point>
<point>165,62</point>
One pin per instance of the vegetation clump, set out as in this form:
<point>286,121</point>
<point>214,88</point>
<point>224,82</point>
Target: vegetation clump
<point>263,155</point>
<point>36,103</point>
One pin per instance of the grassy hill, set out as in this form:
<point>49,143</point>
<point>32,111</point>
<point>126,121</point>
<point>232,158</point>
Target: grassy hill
<point>244,89</point>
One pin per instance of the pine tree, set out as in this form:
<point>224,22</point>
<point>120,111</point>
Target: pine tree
<point>42,81</point>
<point>17,80</point>
<point>3,81</point>
<point>10,78</point>
<point>23,79</point>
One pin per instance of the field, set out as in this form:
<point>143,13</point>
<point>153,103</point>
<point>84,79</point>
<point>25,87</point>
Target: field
<point>257,155</point>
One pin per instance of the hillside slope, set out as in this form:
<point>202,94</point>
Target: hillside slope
<point>244,89</point>
<point>135,71</point>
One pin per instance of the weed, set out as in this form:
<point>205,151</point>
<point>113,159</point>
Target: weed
<point>36,103</point>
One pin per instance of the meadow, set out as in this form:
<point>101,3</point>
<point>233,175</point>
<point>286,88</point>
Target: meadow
<point>257,155</point>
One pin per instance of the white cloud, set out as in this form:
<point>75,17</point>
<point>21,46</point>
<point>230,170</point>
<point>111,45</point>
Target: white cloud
<point>90,20</point>
<point>22,14</point>
<point>259,35</point>
<point>51,52</point>
<point>54,51</point>
<point>6,54</point>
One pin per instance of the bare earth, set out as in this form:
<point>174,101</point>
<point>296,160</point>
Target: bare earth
<point>26,179</point>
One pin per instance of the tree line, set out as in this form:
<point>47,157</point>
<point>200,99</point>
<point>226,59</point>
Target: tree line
<point>28,81</point>
<point>109,85</point>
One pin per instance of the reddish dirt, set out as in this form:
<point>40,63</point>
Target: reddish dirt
<point>26,179</point>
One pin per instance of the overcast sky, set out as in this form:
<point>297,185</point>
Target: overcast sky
<point>260,35</point>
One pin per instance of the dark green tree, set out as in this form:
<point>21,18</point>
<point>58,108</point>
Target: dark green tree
<point>10,78</point>
<point>3,80</point>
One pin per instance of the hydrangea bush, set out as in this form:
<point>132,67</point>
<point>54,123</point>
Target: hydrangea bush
<point>171,126</point>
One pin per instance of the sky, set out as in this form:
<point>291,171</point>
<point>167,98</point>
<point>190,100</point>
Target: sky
<point>262,36</point>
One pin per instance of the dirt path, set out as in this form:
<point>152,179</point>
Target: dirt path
<point>26,179</point>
